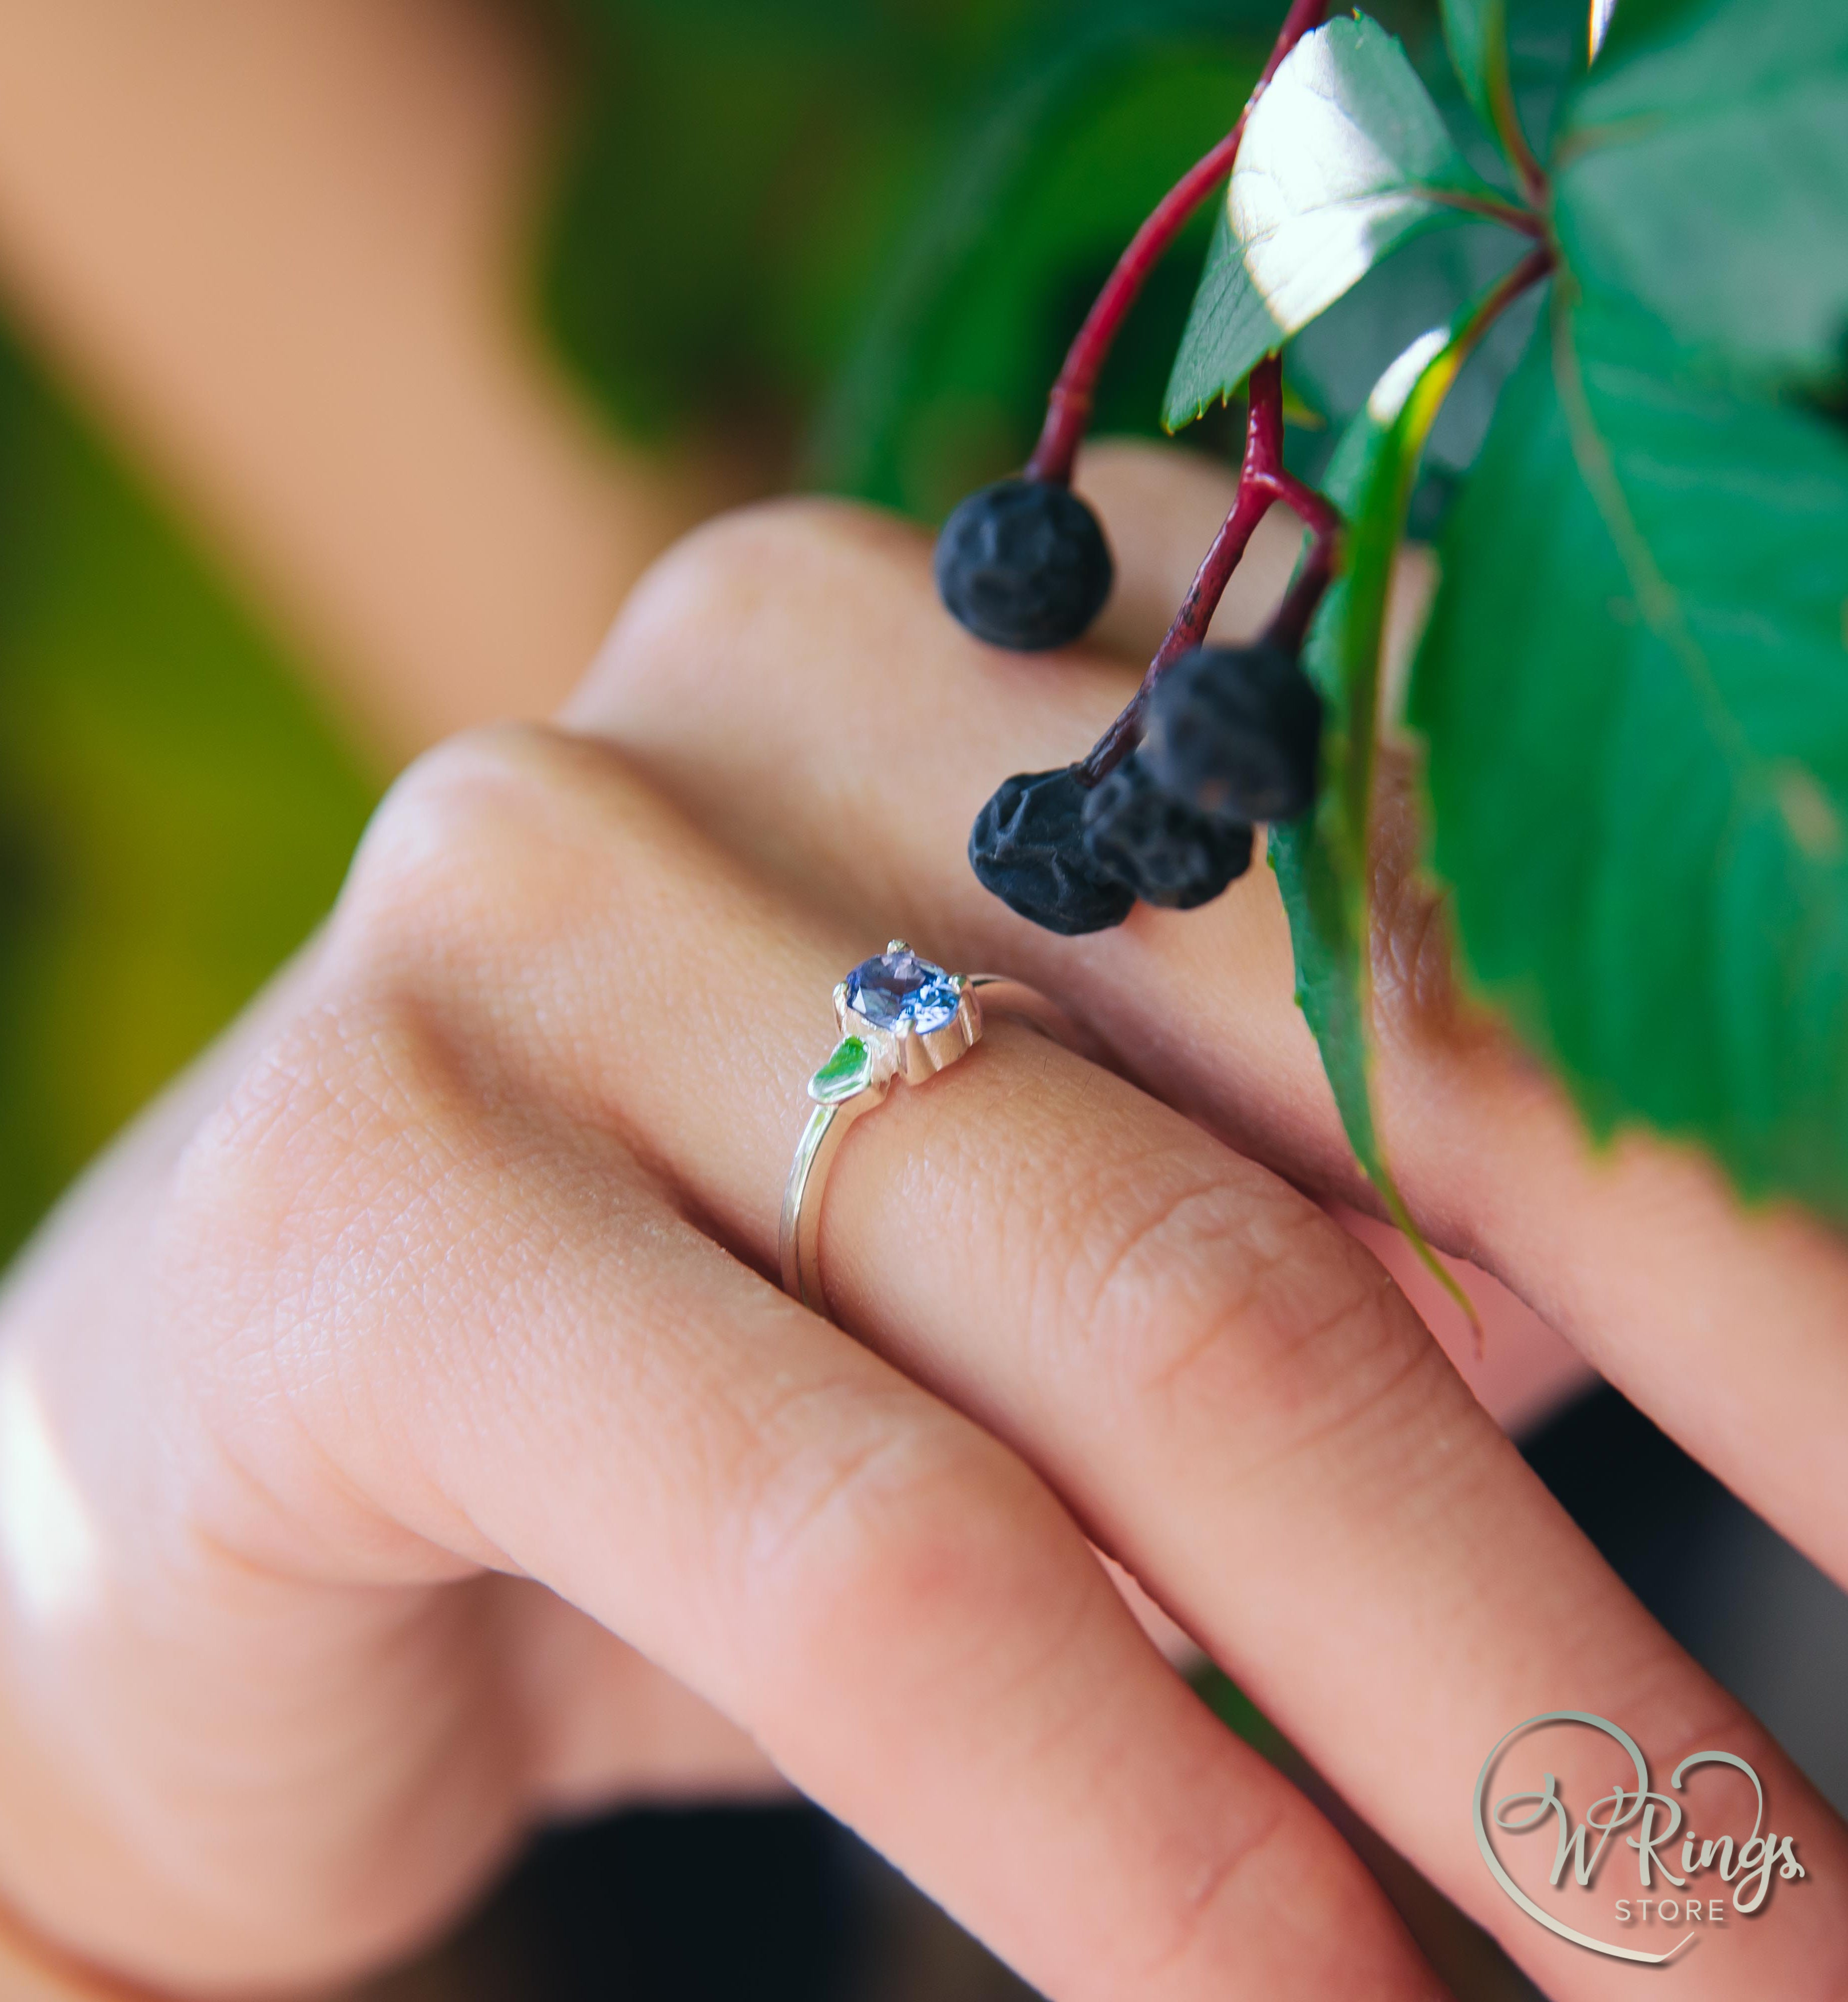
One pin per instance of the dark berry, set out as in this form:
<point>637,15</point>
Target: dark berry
<point>1027,847</point>
<point>1024,564</point>
<point>1166,851</point>
<point>1236,731</point>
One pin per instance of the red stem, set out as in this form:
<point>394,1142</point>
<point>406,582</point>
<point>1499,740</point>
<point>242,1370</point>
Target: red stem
<point>1069,407</point>
<point>1528,170</point>
<point>1510,214</point>
<point>1262,482</point>
<point>1291,625</point>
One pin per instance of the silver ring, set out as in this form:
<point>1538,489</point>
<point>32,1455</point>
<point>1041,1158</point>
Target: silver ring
<point>902,1019</point>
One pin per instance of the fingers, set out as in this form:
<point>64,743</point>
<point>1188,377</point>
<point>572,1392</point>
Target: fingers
<point>789,676</point>
<point>1221,1384</point>
<point>521,1353</point>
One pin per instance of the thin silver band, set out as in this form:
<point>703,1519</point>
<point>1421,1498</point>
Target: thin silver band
<point>911,1059</point>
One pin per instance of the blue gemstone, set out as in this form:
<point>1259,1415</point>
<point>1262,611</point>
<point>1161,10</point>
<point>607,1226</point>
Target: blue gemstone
<point>900,987</point>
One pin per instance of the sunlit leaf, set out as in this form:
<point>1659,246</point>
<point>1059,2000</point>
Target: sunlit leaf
<point>1345,157</point>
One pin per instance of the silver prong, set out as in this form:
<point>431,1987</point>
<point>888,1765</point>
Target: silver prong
<point>959,981</point>
<point>840,1002</point>
<point>897,945</point>
<point>913,1053</point>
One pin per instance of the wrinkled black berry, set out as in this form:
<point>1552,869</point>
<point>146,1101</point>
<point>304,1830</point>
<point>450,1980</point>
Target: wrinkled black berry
<point>1024,564</point>
<point>1236,731</point>
<point>1166,851</point>
<point>1027,847</point>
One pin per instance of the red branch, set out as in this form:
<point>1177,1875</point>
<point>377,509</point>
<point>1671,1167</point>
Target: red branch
<point>1262,482</point>
<point>1068,406</point>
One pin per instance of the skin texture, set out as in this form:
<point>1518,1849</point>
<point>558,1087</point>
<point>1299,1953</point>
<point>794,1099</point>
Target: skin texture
<point>405,1440</point>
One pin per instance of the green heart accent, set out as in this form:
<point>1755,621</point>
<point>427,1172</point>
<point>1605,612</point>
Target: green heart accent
<point>846,1072</point>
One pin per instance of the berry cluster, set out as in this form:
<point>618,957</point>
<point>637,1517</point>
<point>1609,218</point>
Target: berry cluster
<point>1217,739</point>
<point>1230,737</point>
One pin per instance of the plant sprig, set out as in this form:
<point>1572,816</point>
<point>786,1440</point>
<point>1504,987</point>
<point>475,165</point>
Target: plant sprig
<point>1645,732</point>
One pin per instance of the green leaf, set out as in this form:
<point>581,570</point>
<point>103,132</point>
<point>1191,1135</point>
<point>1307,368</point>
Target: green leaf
<point>1323,898</point>
<point>1336,361</point>
<point>1319,860</point>
<point>1701,171</point>
<point>1324,863</point>
<point>1634,691</point>
<point>1523,51</point>
<point>1473,30</point>
<point>1325,904</point>
<point>1329,990</point>
<point>1344,157</point>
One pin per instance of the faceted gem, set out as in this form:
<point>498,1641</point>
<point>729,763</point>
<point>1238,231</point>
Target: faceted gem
<point>899,987</point>
<point>844,1072</point>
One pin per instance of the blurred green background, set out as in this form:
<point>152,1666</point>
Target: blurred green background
<point>857,237</point>
<point>175,809</point>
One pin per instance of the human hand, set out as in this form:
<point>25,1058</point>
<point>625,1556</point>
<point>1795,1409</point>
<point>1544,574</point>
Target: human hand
<point>401,1425</point>
<point>413,1351</point>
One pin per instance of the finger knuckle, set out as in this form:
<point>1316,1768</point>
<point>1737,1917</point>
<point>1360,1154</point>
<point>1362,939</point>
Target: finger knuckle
<point>369,1134</point>
<point>296,1190</point>
<point>820,563</point>
<point>1324,1918</point>
<point>1213,1291</point>
<point>884,1533</point>
<point>466,826</point>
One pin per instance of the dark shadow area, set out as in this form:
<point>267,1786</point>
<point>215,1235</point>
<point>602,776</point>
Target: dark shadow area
<point>1761,1618</point>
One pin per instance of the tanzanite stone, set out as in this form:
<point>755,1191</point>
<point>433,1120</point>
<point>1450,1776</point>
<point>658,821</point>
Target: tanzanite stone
<point>900,987</point>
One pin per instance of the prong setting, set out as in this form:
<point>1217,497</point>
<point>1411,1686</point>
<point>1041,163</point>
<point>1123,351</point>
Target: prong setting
<point>916,1018</point>
<point>901,1017</point>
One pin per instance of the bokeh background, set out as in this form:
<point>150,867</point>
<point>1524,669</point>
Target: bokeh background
<point>355,356</point>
